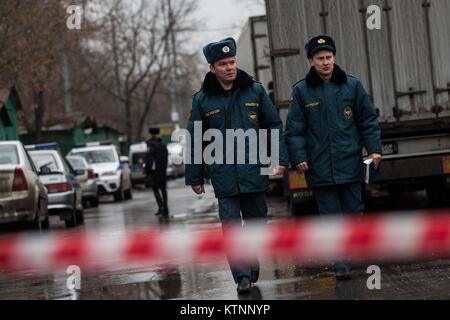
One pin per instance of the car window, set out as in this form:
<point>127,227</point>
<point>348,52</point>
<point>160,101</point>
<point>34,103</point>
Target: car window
<point>174,148</point>
<point>45,160</point>
<point>9,155</point>
<point>67,167</point>
<point>138,158</point>
<point>76,163</point>
<point>28,162</point>
<point>97,156</point>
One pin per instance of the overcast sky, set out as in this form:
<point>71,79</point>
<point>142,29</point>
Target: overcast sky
<point>222,18</point>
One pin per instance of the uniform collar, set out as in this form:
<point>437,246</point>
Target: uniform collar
<point>212,86</point>
<point>314,80</point>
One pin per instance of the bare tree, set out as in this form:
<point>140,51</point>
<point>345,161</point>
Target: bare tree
<point>34,38</point>
<point>178,22</point>
<point>136,42</point>
<point>119,62</point>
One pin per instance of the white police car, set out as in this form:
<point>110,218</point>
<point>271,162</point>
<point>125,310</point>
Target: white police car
<point>112,171</point>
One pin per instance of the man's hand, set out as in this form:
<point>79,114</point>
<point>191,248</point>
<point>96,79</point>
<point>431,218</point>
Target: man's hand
<point>199,189</point>
<point>302,167</point>
<point>279,170</point>
<point>376,159</point>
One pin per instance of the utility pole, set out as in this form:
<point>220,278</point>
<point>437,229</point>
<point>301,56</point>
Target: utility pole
<point>175,116</point>
<point>67,84</point>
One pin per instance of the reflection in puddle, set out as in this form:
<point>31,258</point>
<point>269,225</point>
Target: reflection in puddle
<point>166,285</point>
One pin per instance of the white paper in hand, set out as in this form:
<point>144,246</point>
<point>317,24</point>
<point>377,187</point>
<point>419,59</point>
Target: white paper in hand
<point>369,171</point>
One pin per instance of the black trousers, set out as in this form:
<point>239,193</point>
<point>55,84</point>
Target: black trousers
<point>159,187</point>
<point>161,198</point>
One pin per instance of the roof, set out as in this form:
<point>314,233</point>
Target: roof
<point>43,151</point>
<point>12,142</point>
<point>4,95</point>
<point>78,150</point>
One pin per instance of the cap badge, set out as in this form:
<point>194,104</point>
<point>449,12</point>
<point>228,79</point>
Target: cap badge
<point>321,41</point>
<point>252,116</point>
<point>226,49</point>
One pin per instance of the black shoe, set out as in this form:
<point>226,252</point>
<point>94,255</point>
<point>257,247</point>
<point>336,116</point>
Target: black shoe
<point>244,285</point>
<point>255,273</point>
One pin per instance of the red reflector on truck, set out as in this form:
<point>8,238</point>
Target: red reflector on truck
<point>297,180</point>
<point>446,164</point>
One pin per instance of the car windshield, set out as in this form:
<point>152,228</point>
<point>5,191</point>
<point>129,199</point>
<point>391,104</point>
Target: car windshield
<point>77,163</point>
<point>138,158</point>
<point>97,156</point>
<point>174,148</point>
<point>8,155</point>
<point>45,161</point>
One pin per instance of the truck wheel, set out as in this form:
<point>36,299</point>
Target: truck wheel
<point>395,189</point>
<point>436,191</point>
<point>303,209</point>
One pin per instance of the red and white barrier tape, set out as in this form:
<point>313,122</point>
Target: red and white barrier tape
<point>311,241</point>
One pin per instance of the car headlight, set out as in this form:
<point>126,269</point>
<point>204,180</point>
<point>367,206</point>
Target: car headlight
<point>110,173</point>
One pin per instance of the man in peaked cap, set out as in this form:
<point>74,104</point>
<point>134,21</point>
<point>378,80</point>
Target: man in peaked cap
<point>231,99</point>
<point>155,167</point>
<point>330,121</point>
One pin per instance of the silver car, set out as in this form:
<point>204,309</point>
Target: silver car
<point>64,192</point>
<point>23,197</point>
<point>86,178</point>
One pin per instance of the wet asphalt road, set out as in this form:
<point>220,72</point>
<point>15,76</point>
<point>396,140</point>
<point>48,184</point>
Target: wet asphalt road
<point>429,280</point>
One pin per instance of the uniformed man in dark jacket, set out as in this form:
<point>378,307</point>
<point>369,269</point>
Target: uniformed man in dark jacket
<point>331,120</point>
<point>231,99</point>
<point>155,167</point>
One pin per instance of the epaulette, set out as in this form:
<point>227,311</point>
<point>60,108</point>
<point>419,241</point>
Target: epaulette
<point>256,81</point>
<point>295,84</point>
<point>200,90</point>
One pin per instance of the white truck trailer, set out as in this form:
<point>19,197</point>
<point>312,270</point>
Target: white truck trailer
<point>405,67</point>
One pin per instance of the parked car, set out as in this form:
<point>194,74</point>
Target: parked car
<point>113,171</point>
<point>86,178</point>
<point>175,165</point>
<point>138,152</point>
<point>23,197</point>
<point>64,191</point>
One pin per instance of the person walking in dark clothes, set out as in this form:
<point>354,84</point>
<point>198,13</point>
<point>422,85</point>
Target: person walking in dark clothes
<point>155,167</point>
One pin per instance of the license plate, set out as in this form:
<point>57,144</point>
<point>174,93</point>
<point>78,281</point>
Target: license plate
<point>303,195</point>
<point>446,165</point>
<point>4,185</point>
